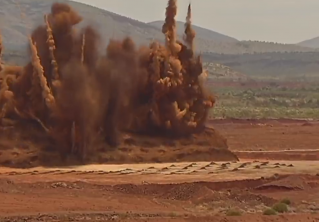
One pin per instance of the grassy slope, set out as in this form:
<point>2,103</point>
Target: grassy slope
<point>266,99</point>
<point>271,65</point>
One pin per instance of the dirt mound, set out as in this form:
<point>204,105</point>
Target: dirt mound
<point>181,192</point>
<point>197,193</point>
<point>187,191</point>
<point>231,198</point>
<point>200,192</point>
<point>293,182</point>
<point>18,149</point>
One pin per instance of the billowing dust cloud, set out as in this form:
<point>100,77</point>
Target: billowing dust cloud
<point>78,96</point>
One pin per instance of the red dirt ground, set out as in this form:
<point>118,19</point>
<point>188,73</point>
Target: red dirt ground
<point>37,195</point>
<point>32,200</point>
<point>281,139</point>
<point>269,135</point>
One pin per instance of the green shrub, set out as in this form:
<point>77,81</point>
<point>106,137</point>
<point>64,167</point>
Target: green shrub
<point>232,213</point>
<point>285,201</point>
<point>269,212</point>
<point>280,207</point>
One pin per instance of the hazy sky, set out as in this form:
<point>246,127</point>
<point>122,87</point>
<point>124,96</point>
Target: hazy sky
<point>284,21</point>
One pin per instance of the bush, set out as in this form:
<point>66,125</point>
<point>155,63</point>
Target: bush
<point>232,213</point>
<point>269,212</point>
<point>285,201</point>
<point>280,207</point>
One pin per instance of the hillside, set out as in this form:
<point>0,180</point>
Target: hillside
<point>15,27</point>
<point>201,33</point>
<point>219,71</point>
<point>311,43</point>
<point>275,65</point>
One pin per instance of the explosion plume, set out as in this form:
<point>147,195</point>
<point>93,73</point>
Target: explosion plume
<point>80,97</point>
<point>189,32</point>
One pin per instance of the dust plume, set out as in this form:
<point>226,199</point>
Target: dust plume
<point>169,27</point>
<point>81,98</point>
<point>189,32</point>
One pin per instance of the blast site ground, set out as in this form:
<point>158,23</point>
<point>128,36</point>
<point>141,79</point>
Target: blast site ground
<point>274,164</point>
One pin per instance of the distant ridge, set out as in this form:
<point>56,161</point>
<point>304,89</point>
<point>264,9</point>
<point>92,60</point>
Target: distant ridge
<point>311,43</point>
<point>111,25</point>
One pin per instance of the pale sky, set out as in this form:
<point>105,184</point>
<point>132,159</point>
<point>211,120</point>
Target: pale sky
<point>283,21</point>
